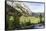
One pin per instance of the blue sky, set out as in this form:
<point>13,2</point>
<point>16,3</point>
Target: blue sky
<point>35,7</point>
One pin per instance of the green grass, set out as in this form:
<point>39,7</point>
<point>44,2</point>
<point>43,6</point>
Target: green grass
<point>24,21</point>
<point>34,20</point>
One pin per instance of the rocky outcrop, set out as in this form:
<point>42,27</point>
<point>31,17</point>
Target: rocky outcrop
<point>20,7</point>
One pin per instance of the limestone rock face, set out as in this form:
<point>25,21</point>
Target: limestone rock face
<point>20,7</point>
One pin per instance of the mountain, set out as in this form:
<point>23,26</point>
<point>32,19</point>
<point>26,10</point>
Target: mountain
<point>20,7</point>
<point>37,14</point>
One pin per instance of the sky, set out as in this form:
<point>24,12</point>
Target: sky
<point>35,7</point>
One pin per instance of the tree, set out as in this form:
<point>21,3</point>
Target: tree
<point>40,18</point>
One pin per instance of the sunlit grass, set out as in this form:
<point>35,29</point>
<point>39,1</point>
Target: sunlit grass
<point>32,19</point>
<point>23,21</point>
